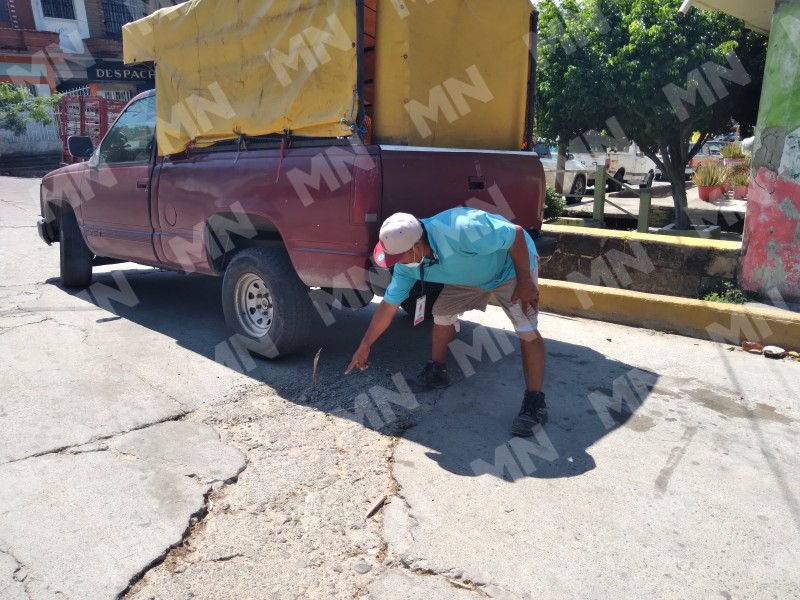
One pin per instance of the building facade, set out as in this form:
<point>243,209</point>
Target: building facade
<point>70,46</point>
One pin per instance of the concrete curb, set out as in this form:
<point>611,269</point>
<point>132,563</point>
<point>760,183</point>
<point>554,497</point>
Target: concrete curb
<point>646,237</point>
<point>715,321</point>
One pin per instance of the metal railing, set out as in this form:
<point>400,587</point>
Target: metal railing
<point>116,14</point>
<point>600,200</point>
<point>113,95</point>
<point>58,9</point>
<point>79,91</point>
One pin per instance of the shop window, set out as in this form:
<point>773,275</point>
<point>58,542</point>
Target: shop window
<point>117,13</point>
<point>5,13</point>
<point>58,9</point>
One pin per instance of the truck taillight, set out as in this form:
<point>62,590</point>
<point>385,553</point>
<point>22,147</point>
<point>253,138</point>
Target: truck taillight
<point>366,190</point>
<point>608,163</point>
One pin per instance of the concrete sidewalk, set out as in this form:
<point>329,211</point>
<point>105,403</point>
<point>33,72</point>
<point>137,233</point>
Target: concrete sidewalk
<point>725,212</point>
<point>670,469</point>
<point>140,457</point>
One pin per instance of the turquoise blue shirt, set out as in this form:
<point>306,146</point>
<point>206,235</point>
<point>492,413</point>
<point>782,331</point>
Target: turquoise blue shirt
<point>470,247</point>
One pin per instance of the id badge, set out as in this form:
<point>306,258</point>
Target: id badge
<point>419,314</point>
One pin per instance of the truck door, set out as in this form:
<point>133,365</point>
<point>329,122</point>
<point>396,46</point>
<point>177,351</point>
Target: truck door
<point>116,187</point>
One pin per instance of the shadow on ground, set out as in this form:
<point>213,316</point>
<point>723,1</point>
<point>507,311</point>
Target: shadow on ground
<point>589,394</point>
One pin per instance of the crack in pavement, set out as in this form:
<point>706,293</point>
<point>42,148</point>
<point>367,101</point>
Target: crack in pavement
<point>194,519</point>
<point>21,573</point>
<point>455,576</point>
<point>4,330</point>
<point>94,440</point>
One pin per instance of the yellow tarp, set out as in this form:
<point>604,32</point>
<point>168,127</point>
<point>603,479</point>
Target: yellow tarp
<point>248,67</point>
<point>452,73</point>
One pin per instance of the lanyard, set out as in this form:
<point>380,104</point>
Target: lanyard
<point>422,276</point>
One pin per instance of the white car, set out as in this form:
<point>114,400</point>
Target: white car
<point>591,161</point>
<point>576,176</point>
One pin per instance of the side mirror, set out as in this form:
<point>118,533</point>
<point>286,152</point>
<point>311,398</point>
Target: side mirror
<point>80,146</point>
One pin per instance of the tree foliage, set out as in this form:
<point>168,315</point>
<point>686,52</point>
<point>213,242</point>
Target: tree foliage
<point>657,77</point>
<point>18,107</point>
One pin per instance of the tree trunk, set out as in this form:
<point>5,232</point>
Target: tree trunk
<point>561,163</point>
<point>681,204</point>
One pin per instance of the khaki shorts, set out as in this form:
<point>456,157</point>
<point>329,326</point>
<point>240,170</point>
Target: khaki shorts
<point>458,299</point>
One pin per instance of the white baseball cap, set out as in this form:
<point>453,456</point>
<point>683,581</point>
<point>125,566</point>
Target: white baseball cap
<point>398,234</point>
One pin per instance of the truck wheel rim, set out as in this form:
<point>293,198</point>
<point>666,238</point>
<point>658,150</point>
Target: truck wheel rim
<point>254,306</point>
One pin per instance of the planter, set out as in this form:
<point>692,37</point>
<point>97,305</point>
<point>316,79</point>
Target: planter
<point>739,192</point>
<point>729,162</point>
<point>710,193</point>
<point>569,221</point>
<point>713,232</point>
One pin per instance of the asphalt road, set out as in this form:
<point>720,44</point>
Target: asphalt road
<point>141,456</point>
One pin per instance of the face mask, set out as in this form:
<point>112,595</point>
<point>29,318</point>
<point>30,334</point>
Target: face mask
<point>413,265</point>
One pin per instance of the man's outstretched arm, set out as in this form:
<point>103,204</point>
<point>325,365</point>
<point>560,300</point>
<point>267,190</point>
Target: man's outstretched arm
<point>380,322</point>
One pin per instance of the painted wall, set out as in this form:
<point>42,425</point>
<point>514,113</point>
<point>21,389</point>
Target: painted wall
<point>771,244</point>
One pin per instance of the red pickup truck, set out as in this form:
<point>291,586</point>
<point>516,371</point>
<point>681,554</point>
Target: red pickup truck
<point>275,216</point>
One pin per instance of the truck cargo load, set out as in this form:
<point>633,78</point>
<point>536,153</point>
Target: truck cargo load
<point>450,73</point>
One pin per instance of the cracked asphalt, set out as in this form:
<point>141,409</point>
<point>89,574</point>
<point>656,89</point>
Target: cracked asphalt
<point>143,458</point>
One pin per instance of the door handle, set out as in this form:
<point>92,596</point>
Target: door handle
<point>142,184</point>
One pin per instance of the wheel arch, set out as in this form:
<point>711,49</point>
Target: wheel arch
<point>53,209</point>
<point>230,232</point>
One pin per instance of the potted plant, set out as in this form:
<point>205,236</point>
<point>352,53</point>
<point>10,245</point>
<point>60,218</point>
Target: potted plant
<point>709,179</point>
<point>740,180</point>
<point>732,154</point>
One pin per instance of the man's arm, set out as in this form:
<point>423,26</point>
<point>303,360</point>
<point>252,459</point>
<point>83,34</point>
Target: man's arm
<point>526,291</point>
<point>380,322</point>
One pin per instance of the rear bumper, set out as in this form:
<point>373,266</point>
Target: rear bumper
<point>46,232</point>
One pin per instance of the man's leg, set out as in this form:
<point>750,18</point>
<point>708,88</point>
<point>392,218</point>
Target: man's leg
<point>442,336</point>
<point>533,413</point>
<point>452,302</point>
<point>533,352</point>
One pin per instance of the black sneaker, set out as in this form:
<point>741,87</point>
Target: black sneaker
<point>532,414</point>
<point>434,376</point>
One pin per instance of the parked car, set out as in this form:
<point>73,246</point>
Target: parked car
<point>591,156</point>
<point>576,176</point>
<point>631,166</point>
<point>590,160</point>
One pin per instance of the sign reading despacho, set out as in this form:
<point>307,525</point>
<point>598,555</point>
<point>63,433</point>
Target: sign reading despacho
<point>117,71</point>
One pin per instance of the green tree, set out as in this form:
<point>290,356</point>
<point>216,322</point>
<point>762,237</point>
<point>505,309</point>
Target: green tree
<point>566,80</point>
<point>659,76</point>
<point>18,107</point>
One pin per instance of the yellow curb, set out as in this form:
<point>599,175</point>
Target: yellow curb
<point>716,321</point>
<point>668,240</point>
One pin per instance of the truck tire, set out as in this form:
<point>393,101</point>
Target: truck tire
<point>265,303</point>
<point>76,258</point>
<point>577,191</point>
